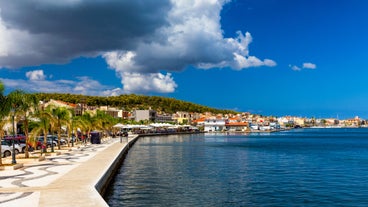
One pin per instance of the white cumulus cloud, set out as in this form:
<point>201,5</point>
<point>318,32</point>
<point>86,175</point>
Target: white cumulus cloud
<point>137,82</point>
<point>35,75</point>
<point>136,40</point>
<point>304,66</point>
<point>309,66</point>
<point>295,68</point>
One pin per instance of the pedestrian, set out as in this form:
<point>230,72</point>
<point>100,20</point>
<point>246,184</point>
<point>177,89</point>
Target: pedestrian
<point>43,148</point>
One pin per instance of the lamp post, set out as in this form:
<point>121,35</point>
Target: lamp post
<point>52,135</point>
<point>72,132</point>
<point>52,143</point>
<point>13,153</point>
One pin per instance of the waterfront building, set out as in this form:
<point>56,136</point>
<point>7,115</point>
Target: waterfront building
<point>194,115</point>
<point>299,121</point>
<point>164,118</point>
<point>331,122</point>
<point>353,122</point>
<point>142,115</point>
<point>285,121</point>
<point>213,125</point>
<point>114,112</point>
<point>237,126</point>
<point>126,114</point>
<point>199,122</point>
<point>182,117</point>
<point>233,120</point>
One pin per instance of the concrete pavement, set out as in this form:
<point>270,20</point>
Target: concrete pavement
<point>73,178</point>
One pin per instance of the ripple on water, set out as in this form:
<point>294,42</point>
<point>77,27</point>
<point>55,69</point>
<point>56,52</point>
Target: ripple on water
<point>294,168</point>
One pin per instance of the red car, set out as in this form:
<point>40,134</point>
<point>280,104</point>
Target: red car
<point>21,140</point>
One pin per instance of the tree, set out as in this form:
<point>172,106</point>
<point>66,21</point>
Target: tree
<point>61,116</point>
<point>23,104</point>
<point>4,111</point>
<point>87,124</point>
<point>77,122</point>
<point>70,125</point>
<point>323,122</point>
<point>103,121</point>
<point>43,125</point>
<point>133,101</point>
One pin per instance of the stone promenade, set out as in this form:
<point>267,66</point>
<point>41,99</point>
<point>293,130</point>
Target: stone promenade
<point>67,179</point>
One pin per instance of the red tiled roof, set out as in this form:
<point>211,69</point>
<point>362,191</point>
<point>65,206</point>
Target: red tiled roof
<point>233,118</point>
<point>200,120</point>
<point>236,124</point>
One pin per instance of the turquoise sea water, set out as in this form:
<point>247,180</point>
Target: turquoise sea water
<point>304,167</point>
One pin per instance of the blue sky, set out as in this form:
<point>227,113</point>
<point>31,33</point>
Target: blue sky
<point>270,57</point>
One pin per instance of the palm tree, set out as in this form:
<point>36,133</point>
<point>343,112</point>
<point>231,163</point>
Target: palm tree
<point>70,126</point>
<point>103,121</point>
<point>61,116</point>
<point>3,122</point>
<point>87,124</point>
<point>4,111</point>
<point>43,126</point>
<point>78,122</point>
<point>23,104</point>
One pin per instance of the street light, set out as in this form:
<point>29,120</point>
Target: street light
<point>13,153</point>
<point>72,132</point>
<point>52,143</point>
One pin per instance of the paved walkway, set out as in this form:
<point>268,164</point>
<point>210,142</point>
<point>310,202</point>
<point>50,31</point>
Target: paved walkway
<point>68,179</point>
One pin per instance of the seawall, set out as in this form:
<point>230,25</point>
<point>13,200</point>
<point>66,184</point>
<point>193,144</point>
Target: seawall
<point>79,177</point>
<point>85,184</point>
<point>106,179</point>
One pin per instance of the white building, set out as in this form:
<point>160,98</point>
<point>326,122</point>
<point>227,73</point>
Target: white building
<point>213,125</point>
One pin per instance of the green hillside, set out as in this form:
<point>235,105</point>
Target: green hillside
<point>132,101</point>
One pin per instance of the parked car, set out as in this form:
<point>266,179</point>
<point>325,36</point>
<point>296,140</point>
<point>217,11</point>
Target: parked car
<point>49,142</point>
<point>7,148</point>
<point>62,141</point>
<point>20,140</point>
<point>5,151</point>
<point>37,145</point>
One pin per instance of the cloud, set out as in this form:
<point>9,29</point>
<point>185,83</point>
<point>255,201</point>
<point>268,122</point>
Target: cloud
<point>305,66</point>
<point>295,68</point>
<point>134,82</point>
<point>136,40</point>
<point>309,66</point>
<point>37,82</point>
<point>35,75</point>
<point>112,92</point>
<point>143,83</point>
<point>35,32</point>
<point>193,37</point>
<point>121,61</point>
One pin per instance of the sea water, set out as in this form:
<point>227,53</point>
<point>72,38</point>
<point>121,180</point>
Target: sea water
<point>301,167</point>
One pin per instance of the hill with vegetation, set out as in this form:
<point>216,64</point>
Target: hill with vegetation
<point>132,101</point>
